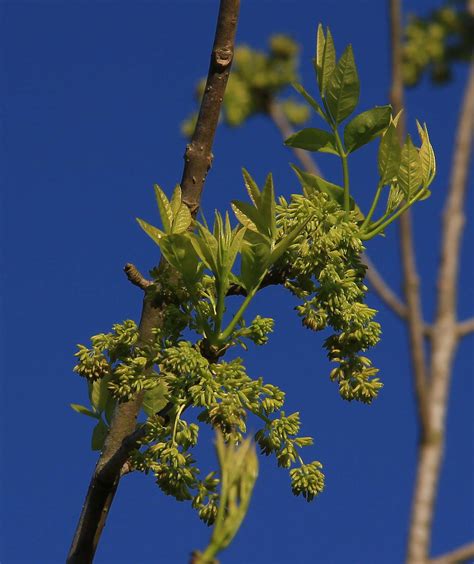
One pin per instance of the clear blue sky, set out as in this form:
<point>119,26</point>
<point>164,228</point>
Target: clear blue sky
<point>92,95</point>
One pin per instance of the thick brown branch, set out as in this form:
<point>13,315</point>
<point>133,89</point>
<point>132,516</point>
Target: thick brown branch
<point>120,440</point>
<point>135,276</point>
<point>461,554</point>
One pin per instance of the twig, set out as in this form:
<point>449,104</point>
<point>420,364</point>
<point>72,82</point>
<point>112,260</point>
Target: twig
<point>457,556</point>
<point>198,158</point>
<point>135,276</point>
<point>466,327</point>
<point>407,248</point>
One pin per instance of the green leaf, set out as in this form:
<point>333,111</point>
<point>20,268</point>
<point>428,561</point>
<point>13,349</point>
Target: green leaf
<point>175,202</point>
<point>320,43</point>
<point>164,208</point>
<point>252,188</point>
<point>311,101</point>
<point>252,213</point>
<point>285,243</point>
<point>267,207</point>
<point>427,157</point>
<point>99,434</point>
<point>409,174</point>
<point>255,253</point>
<point>205,246</point>
<point>180,252</point>
<point>313,139</point>
<point>98,393</point>
<point>84,411</point>
<point>182,220</point>
<point>155,399</point>
<point>366,126</point>
<point>234,248</point>
<point>342,92</point>
<point>389,155</point>
<point>153,232</point>
<point>328,63</point>
<point>313,183</point>
<point>243,219</point>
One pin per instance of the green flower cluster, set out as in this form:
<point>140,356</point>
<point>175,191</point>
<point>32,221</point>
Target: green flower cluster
<point>434,42</point>
<point>325,271</point>
<point>256,78</point>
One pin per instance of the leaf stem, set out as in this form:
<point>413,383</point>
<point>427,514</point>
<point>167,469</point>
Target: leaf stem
<point>384,224</point>
<point>228,331</point>
<point>345,168</point>
<point>372,207</point>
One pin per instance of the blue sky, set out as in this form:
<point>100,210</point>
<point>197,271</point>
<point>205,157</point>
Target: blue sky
<point>92,97</point>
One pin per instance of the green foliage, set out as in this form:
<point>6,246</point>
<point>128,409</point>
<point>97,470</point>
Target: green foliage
<point>256,78</point>
<point>407,170</point>
<point>310,244</point>
<point>435,42</point>
<point>239,470</point>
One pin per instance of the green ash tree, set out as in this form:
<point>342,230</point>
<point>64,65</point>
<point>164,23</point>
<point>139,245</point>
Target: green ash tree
<point>147,382</point>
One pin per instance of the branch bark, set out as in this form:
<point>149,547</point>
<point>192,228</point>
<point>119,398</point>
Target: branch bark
<point>445,336</point>
<point>407,248</point>
<point>457,556</point>
<point>122,437</point>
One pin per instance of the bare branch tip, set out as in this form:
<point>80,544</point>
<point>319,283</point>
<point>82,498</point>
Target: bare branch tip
<point>135,277</point>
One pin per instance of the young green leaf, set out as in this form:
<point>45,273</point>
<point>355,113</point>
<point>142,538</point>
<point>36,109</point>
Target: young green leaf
<point>110,408</point>
<point>243,219</point>
<point>328,63</point>
<point>99,434</point>
<point>267,207</point>
<point>252,188</point>
<point>175,202</point>
<point>180,252</point>
<point>313,139</point>
<point>252,213</point>
<point>427,158</point>
<point>182,219</point>
<point>311,101</point>
<point>318,60</point>
<point>164,208</point>
<point>409,173</point>
<point>313,183</point>
<point>155,399</point>
<point>255,253</point>
<point>366,126</point>
<point>342,92</point>
<point>153,232</point>
<point>98,393</point>
<point>205,245</point>
<point>84,411</point>
<point>389,155</point>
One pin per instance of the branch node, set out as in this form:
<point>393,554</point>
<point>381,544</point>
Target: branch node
<point>135,277</point>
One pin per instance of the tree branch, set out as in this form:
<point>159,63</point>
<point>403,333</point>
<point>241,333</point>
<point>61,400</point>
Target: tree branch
<point>407,249</point>
<point>198,160</point>
<point>446,336</point>
<point>466,327</point>
<point>457,556</point>
<point>135,276</point>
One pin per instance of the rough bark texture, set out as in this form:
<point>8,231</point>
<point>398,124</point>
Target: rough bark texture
<point>123,436</point>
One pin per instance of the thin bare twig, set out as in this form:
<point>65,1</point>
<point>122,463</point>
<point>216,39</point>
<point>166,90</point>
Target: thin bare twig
<point>407,249</point>
<point>198,157</point>
<point>457,556</point>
